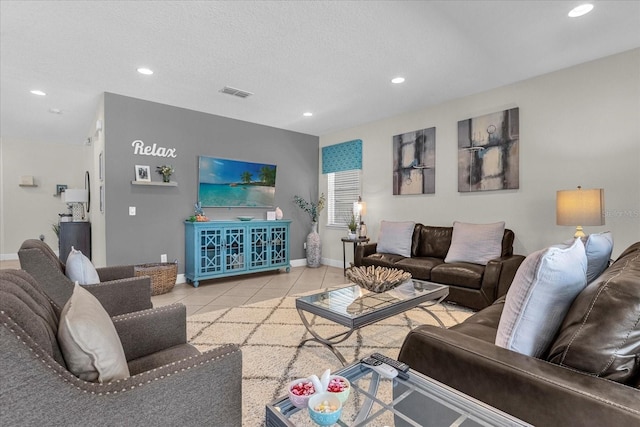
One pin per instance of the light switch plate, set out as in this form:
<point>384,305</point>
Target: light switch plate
<point>132,210</point>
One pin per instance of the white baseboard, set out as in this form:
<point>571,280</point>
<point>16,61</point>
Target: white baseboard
<point>8,257</point>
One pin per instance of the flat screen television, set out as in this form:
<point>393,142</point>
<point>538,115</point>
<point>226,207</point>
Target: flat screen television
<point>235,183</point>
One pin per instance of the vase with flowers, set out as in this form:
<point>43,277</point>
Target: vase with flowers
<point>166,171</point>
<point>314,245</point>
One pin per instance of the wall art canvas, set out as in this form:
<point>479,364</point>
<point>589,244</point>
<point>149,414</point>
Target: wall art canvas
<point>235,183</point>
<point>488,152</point>
<point>414,162</point>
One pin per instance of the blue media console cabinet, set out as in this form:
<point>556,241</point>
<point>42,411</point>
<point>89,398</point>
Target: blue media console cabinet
<point>228,248</point>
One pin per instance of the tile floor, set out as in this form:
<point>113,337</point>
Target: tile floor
<point>217,294</point>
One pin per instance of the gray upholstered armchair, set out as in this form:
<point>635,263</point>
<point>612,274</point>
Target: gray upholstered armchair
<point>171,382</point>
<point>119,291</point>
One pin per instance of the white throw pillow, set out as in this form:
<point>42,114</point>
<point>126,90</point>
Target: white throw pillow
<point>80,269</point>
<point>395,237</point>
<point>598,248</point>
<point>475,243</point>
<point>542,291</point>
<point>89,342</point>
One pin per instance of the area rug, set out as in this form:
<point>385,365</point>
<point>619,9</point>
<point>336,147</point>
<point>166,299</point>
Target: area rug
<point>269,333</point>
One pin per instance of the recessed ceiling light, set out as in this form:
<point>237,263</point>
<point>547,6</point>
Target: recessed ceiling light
<point>397,80</point>
<point>55,111</point>
<point>307,114</point>
<point>38,92</point>
<point>145,71</point>
<point>583,9</point>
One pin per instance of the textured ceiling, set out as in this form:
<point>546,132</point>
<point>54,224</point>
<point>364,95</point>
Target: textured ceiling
<point>332,58</point>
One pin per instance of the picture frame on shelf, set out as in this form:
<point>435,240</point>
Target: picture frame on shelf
<point>143,173</point>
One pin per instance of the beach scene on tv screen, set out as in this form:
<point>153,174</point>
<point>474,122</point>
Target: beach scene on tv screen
<point>235,183</point>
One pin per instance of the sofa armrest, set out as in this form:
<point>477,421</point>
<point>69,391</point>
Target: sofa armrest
<point>115,272</point>
<point>187,392</point>
<point>149,331</point>
<point>124,295</point>
<point>364,251</point>
<point>498,275</point>
<point>534,390</point>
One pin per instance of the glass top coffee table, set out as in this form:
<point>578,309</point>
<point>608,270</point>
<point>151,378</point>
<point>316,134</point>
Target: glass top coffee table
<point>355,307</point>
<point>418,401</point>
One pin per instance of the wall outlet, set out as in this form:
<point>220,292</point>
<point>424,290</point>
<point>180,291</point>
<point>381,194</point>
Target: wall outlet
<point>163,258</point>
<point>132,210</point>
<point>304,246</point>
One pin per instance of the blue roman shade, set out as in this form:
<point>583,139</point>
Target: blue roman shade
<point>342,157</point>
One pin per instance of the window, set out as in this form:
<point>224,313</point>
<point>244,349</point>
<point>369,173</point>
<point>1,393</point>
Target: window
<point>344,187</point>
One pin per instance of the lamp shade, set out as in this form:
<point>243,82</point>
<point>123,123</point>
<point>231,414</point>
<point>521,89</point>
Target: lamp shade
<point>76,195</point>
<point>580,207</point>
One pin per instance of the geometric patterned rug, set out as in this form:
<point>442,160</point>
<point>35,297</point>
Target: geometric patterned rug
<point>269,332</point>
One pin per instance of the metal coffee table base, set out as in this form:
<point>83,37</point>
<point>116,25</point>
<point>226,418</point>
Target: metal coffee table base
<point>331,341</point>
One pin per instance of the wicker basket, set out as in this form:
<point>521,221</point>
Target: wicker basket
<point>163,276</point>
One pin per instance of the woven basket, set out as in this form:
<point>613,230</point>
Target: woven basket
<point>163,276</point>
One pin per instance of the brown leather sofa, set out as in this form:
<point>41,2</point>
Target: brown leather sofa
<point>472,285</point>
<point>589,376</point>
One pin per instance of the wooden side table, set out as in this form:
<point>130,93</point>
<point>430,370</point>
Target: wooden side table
<point>357,241</point>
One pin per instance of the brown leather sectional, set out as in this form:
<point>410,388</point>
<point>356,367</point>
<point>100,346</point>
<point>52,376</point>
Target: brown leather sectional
<point>589,376</point>
<point>472,285</point>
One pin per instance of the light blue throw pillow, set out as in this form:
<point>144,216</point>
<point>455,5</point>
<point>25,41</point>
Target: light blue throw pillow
<point>395,237</point>
<point>598,248</point>
<point>79,268</point>
<point>539,298</point>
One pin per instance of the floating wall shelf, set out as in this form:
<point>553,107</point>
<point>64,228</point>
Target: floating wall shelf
<point>156,183</point>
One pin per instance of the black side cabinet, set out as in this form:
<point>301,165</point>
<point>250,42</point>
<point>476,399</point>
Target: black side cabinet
<point>76,234</point>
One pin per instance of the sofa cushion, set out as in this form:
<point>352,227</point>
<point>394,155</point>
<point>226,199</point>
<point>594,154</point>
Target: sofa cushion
<point>89,341</point>
<point>462,274</point>
<point>433,241</point>
<point>598,248</point>
<point>600,334</point>
<point>475,243</point>
<point>80,269</point>
<point>542,291</point>
<point>395,237</point>
<point>381,259</point>
<point>419,267</point>
<point>484,324</point>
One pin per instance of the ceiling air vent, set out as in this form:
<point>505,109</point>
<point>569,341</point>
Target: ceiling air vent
<point>236,92</point>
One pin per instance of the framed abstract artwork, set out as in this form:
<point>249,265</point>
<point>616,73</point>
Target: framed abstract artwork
<point>414,162</point>
<point>488,152</point>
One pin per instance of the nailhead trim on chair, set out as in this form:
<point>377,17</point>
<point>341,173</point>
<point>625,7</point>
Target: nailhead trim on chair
<point>81,384</point>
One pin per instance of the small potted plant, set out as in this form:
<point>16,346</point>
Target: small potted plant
<point>166,171</point>
<point>352,225</point>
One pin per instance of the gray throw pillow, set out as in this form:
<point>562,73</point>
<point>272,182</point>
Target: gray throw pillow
<point>475,243</point>
<point>89,342</point>
<point>395,237</point>
<point>542,291</point>
<point>80,269</point>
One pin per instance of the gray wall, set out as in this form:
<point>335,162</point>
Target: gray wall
<point>158,226</point>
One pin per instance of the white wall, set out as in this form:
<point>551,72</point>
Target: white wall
<point>578,126</point>
<point>28,212</point>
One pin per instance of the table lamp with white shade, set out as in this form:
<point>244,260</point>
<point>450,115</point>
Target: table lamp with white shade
<point>580,207</point>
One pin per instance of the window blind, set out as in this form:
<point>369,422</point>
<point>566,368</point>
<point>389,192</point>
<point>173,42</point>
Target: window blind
<point>343,190</point>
